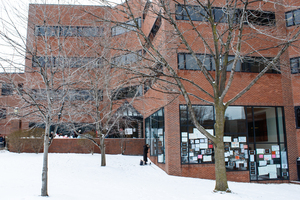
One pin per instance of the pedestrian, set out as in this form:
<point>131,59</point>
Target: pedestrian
<point>146,147</point>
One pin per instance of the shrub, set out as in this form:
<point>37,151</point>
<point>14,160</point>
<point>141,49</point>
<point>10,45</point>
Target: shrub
<point>16,140</point>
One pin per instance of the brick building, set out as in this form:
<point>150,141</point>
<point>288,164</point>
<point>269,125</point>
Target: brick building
<point>262,140</point>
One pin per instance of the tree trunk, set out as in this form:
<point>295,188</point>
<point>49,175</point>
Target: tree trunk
<point>44,190</point>
<point>102,147</point>
<point>220,169</point>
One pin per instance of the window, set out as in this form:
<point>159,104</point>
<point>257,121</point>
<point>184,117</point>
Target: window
<point>297,116</point>
<point>2,113</point>
<point>71,95</point>
<point>261,18</point>
<point>128,92</point>
<point>126,59</point>
<point>155,28</point>
<point>267,146</point>
<point>256,64</point>
<point>187,61</point>
<point>7,89</point>
<point>198,13</point>
<point>69,31</point>
<point>250,64</point>
<point>292,17</point>
<point>195,147</point>
<point>155,135</point>
<point>126,27</point>
<point>73,62</point>
<point>295,65</point>
<point>83,95</point>
<point>254,140</point>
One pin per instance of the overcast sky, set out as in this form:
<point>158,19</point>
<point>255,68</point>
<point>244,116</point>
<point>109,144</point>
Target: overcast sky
<point>16,11</point>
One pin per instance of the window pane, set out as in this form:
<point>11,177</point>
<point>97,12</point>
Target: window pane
<point>294,65</point>
<point>289,19</point>
<point>238,64</point>
<point>265,124</point>
<point>235,120</point>
<point>178,12</point>
<point>181,61</point>
<point>297,112</point>
<point>280,124</point>
<point>205,59</point>
<point>219,15</point>
<point>297,17</point>
<point>191,62</point>
<point>250,124</point>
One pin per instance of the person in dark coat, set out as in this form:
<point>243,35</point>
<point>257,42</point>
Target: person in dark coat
<point>146,147</point>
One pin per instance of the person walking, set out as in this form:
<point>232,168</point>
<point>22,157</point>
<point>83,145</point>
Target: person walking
<point>146,148</point>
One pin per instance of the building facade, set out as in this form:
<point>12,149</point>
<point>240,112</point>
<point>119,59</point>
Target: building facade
<point>262,138</point>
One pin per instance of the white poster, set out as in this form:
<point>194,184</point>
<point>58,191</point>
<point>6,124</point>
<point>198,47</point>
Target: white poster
<point>242,139</point>
<point>227,139</point>
<point>128,131</point>
<point>207,159</point>
<point>203,145</point>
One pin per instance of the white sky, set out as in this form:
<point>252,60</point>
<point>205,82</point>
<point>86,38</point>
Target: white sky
<point>17,11</point>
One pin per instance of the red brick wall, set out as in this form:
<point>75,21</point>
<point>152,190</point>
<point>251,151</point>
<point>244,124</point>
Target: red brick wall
<point>113,146</point>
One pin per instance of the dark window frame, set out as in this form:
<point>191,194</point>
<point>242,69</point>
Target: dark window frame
<point>265,18</point>
<point>293,23</point>
<point>124,28</point>
<point>295,70</point>
<point>3,112</point>
<point>297,116</point>
<point>7,89</point>
<point>64,31</point>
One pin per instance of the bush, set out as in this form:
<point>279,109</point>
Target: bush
<point>16,140</point>
<point>21,138</point>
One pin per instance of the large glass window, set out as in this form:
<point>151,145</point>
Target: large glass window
<point>195,147</point>
<point>155,135</point>
<point>254,140</point>
<point>267,152</point>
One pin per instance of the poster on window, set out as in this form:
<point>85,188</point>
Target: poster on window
<point>128,131</point>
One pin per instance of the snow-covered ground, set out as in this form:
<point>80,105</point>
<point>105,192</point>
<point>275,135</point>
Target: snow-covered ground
<point>79,176</point>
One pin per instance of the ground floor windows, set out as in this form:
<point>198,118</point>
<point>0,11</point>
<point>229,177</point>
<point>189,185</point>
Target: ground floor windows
<point>155,133</point>
<point>254,140</point>
<point>195,147</point>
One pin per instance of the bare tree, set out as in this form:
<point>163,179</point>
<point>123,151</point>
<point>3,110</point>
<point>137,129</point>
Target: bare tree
<point>225,33</point>
<point>53,64</point>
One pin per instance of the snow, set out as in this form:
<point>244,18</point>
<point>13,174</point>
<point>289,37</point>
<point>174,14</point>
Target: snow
<point>80,177</point>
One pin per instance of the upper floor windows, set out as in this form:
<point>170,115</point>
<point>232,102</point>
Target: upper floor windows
<point>74,62</point>
<point>292,17</point>
<point>2,113</point>
<point>126,27</point>
<point>69,31</point>
<point>198,13</point>
<point>70,95</point>
<point>128,92</point>
<point>126,59</point>
<point>295,65</point>
<point>155,28</point>
<point>7,89</point>
<point>249,64</point>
